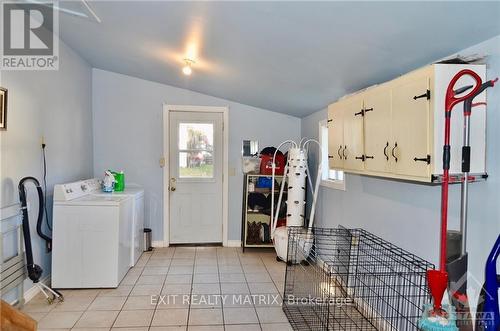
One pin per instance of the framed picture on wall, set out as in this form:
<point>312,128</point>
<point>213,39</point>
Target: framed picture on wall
<point>3,108</point>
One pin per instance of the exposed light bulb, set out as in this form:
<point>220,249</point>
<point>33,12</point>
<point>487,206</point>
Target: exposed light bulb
<point>187,70</point>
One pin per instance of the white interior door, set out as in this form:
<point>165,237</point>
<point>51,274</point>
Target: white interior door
<point>195,183</point>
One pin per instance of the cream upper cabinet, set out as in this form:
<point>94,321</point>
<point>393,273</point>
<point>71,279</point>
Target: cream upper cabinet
<point>353,133</point>
<point>335,136</point>
<point>378,136</point>
<point>396,129</point>
<point>410,124</point>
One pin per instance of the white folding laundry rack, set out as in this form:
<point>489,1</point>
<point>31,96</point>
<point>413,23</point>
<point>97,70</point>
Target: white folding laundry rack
<point>12,263</point>
<point>296,173</point>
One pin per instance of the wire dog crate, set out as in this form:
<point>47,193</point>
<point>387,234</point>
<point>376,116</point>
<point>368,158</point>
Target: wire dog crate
<point>350,279</point>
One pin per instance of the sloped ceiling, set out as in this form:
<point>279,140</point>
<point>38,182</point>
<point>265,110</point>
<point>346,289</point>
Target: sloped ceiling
<point>289,57</point>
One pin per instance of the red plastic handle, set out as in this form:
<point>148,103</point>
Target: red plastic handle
<point>451,100</point>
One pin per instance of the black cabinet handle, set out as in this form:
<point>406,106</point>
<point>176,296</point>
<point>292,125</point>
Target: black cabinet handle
<point>426,95</point>
<point>330,156</point>
<point>368,157</point>
<point>343,152</point>
<point>426,159</point>
<point>363,111</point>
<point>385,151</point>
<point>362,158</point>
<point>338,152</point>
<point>392,152</point>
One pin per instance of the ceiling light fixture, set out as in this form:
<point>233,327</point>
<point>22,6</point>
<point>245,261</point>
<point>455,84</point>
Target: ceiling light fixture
<point>187,70</point>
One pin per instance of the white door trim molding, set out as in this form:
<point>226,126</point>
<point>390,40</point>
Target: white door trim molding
<point>166,171</point>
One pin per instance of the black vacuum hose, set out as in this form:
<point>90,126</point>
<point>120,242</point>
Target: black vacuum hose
<point>24,206</point>
<point>34,270</point>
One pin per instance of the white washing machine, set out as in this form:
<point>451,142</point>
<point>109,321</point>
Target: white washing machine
<point>91,236</point>
<point>137,238</point>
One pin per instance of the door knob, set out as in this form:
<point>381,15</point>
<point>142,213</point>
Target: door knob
<point>172,184</point>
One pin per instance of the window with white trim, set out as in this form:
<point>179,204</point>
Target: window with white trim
<point>329,177</point>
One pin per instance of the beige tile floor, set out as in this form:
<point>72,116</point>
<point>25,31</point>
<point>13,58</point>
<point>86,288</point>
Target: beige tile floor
<point>178,288</point>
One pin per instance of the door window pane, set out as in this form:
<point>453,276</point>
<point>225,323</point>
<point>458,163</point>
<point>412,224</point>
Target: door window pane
<point>196,150</point>
<point>196,136</point>
<point>199,164</point>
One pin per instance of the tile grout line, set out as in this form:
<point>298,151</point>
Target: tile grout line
<point>129,294</point>
<point>161,289</point>
<point>250,293</point>
<point>220,289</point>
<point>191,291</point>
<point>272,280</point>
<point>282,295</point>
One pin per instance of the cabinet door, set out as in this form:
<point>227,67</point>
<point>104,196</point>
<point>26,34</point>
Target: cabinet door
<point>377,107</point>
<point>335,136</point>
<point>353,134</point>
<point>410,125</point>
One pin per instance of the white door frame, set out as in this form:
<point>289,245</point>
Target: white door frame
<point>166,169</point>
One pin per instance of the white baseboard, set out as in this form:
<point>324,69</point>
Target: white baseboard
<point>230,243</point>
<point>233,243</point>
<point>159,243</point>
<point>33,291</point>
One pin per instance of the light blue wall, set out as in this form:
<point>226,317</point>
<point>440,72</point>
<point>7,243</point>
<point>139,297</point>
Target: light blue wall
<point>128,135</point>
<point>408,214</point>
<point>56,105</point>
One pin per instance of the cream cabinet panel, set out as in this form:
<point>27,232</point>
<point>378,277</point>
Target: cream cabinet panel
<point>410,125</point>
<point>353,133</point>
<point>377,111</point>
<point>335,136</point>
<point>396,129</point>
